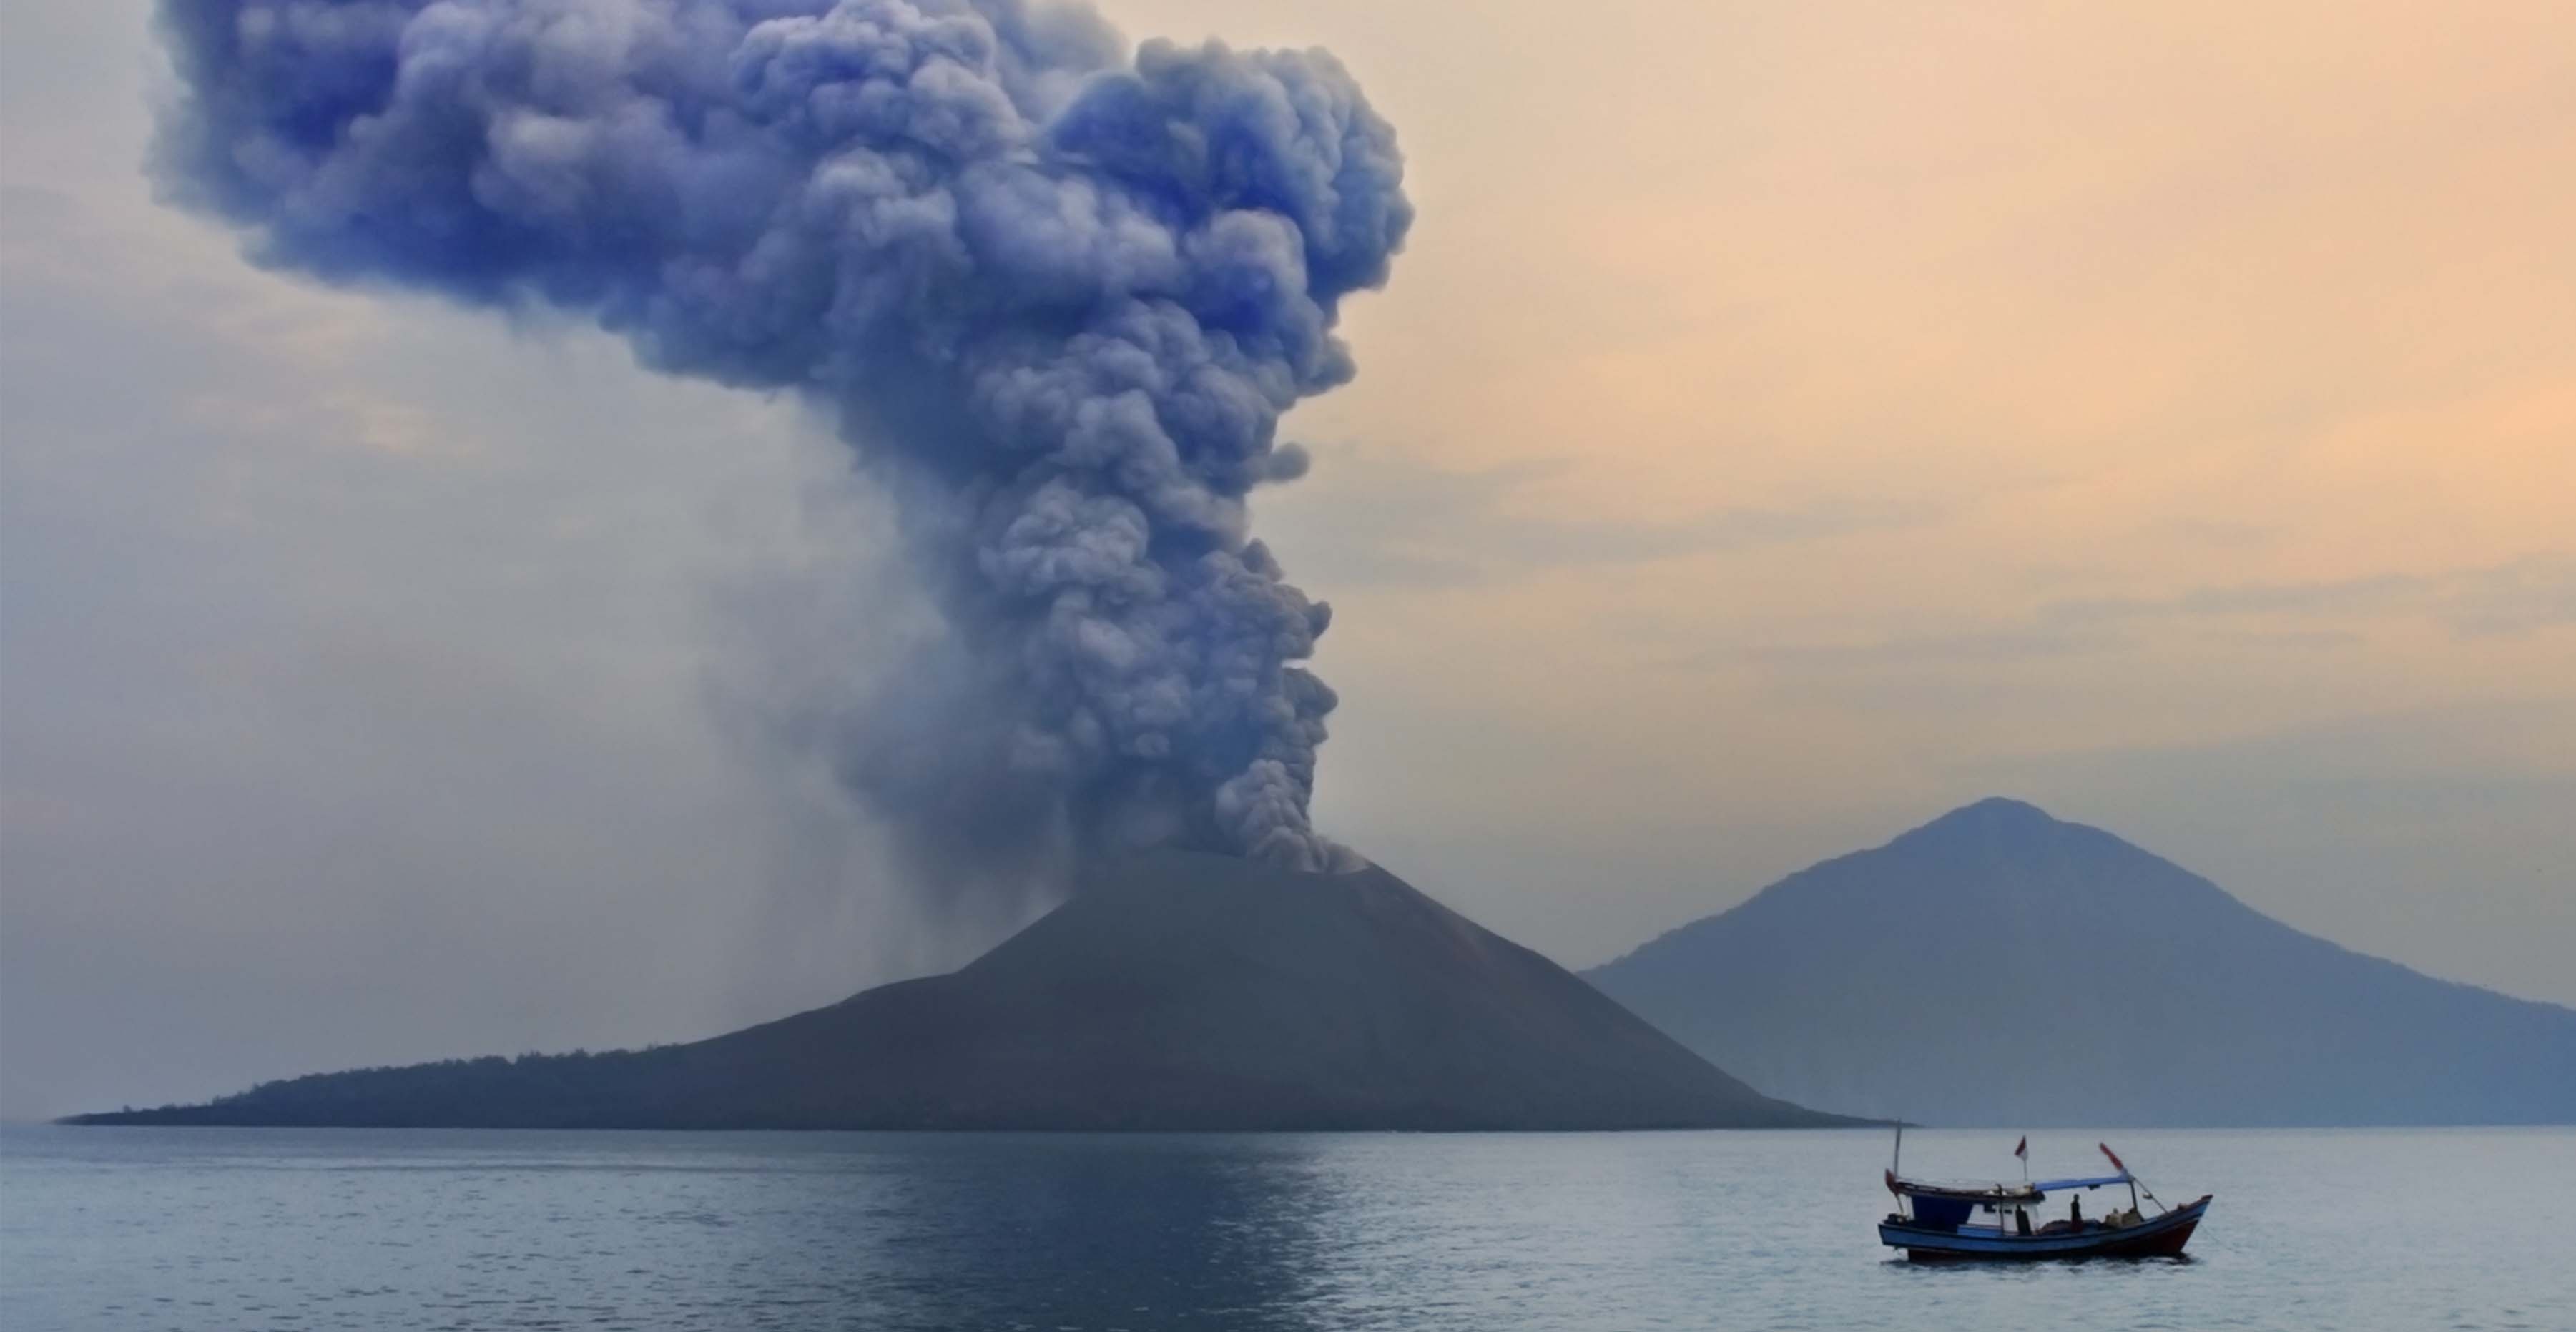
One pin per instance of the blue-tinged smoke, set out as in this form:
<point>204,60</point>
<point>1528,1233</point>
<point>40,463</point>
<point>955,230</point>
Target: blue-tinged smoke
<point>1058,296</point>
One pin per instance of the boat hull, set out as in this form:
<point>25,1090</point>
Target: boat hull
<point>2162,1237</point>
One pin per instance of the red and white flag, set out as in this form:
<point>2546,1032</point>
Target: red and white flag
<point>2022,1148</point>
<point>2123,1166</point>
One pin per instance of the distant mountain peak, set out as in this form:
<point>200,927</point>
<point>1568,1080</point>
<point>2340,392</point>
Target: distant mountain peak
<point>1998,965</point>
<point>1997,812</point>
<point>1999,830</point>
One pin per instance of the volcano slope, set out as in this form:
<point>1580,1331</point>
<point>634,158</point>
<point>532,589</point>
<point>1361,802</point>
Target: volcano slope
<point>1175,991</point>
<point>2000,967</point>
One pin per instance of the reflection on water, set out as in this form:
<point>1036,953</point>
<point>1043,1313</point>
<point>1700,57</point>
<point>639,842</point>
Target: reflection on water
<point>199,1229</point>
<point>1089,1232</point>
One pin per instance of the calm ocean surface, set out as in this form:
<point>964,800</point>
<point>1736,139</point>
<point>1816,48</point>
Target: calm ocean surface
<point>204,1229</point>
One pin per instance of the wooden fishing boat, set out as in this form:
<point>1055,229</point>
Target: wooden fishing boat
<point>1939,1222</point>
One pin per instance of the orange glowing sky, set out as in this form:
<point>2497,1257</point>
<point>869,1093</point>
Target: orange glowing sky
<point>1865,405</point>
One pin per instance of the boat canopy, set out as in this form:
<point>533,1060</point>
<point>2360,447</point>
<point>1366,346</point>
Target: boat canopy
<point>1970,1192</point>
<point>2059,1185</point>
<point>1986,1195</point>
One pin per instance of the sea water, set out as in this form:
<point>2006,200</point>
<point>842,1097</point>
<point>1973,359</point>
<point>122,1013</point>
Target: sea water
<point>205,1229</point>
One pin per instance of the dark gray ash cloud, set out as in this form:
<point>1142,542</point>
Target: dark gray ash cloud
<point>1056,296</point>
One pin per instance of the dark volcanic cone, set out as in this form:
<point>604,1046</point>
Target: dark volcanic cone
<point>1181,991</point>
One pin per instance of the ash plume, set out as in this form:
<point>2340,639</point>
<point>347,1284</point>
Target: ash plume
<point>1056,295</point>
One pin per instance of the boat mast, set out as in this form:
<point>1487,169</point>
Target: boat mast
<point>1896,1158</point>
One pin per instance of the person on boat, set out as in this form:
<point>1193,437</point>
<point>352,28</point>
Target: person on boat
<point>2075,1211</point>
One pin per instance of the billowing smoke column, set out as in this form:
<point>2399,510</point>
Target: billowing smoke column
<point>1058,297</point>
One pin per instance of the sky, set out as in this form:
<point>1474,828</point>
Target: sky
<point>1786,423</point>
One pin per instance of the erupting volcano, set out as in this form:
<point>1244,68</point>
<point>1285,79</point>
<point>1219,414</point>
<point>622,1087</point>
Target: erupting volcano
<point>1056,295</point>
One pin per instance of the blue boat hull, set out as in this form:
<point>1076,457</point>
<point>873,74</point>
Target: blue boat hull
<point>2162,1237</point>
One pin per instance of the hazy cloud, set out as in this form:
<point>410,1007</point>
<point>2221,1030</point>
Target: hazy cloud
<point>2521,597</point>
<point>2518,597</point>
<point>1376,517</point>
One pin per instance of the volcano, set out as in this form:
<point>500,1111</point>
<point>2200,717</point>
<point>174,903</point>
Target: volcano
<point>2000,966</point>
<point>1175,991</point>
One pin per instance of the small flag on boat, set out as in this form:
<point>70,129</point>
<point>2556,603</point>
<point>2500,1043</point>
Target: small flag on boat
<point>2022,1148</point>
<point>2116,1162</point>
